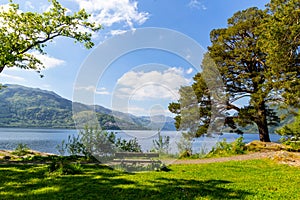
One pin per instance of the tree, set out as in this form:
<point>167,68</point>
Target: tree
<point>292,129</point>
<point>23,33</point>
<point>242,65</point>
<point>280,39</point>
<point>193,109</point>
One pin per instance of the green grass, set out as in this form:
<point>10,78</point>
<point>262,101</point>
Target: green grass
<point>254,179</point>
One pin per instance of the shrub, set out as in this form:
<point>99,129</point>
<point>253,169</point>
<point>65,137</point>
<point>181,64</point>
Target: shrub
<point>74,145</point>
<point>238,146</point>
<point>161,145</point>
<point>291,131</point>
<point>224,148</point>
<point>62,148</point>
<point>97,142</point>
<point>60,166</point>
<point>129,146</point>
<point>21,150</point>
<point>292,145</point>
<point>94,142</point>
<point>185,145</point>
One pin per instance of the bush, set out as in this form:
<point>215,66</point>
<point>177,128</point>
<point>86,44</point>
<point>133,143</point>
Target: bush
<point>292,130</point>
<point>94,142</point>
<point>21,150</point>
<point>61,166</point>
<point>161,145</point>
<point>224,148</point>
<point>185,154</point>
<point>292,145</point>
<point>129,146</point>
<point>185,145</point>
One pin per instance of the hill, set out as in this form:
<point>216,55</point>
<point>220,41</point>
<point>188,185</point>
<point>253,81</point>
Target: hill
<point>26,107</point>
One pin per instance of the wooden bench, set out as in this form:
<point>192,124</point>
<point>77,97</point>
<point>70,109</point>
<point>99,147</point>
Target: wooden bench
<point>136,158</point>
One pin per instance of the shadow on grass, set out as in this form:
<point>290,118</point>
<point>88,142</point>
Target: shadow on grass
<point>100,182</point>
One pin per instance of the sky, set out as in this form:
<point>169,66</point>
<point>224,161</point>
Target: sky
<point>146,50</point>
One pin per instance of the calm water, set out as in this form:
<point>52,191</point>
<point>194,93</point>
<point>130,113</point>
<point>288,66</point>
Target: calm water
<point>46,140</point>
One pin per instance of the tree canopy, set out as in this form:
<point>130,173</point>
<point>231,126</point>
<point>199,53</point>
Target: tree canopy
<point>23,33</point>
<point>292,129</point>
<point>248,71</point>
<point>280,40</point>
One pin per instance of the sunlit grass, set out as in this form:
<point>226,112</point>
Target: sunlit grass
<point>253,179</point>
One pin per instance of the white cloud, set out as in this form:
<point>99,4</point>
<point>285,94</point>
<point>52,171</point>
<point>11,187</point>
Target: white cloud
<point>151,85</point>
<point>142,111</point>
<point>102,91</point>
<point>10,78</point>
<point>93,89</point>
<point>117,32</point>
<point>189,71</point>
<point>111,12</point>
<point>48,61</point>
<point>87,88</point>
<point>197,4</point>
<point>135,110</point>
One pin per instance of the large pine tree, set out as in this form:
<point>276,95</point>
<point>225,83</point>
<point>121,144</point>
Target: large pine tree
<point>246,75</point>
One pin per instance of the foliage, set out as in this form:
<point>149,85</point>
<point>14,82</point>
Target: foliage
<point>60,166</point>
<point>292,145</point>
<point>74,145</point>
<point>247,72</point>
<point>224,148</point>
<point>280,40</point>
<point>161,145</point>
<point>185,145</point>
<point>131,145</point>
<point>21,150</point>
<point>62,148</point>
<point>92,142</point>
<point>292,130</point>
<point>88,142</point>
<point>22,34</point>
<point>228,180</point>
<point>102,143</point>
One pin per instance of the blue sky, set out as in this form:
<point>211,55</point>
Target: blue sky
<point>142,81</point>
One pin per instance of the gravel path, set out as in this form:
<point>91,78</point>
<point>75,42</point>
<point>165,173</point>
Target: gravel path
<point>289,158</point>
<point>250,156</point>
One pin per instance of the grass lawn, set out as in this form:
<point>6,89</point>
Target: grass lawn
<point>254,179</point>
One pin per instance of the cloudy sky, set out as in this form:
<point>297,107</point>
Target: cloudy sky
<point>143,80</point>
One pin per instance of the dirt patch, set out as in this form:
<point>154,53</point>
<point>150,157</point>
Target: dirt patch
<point>289,158</point>
<point>8,154</point>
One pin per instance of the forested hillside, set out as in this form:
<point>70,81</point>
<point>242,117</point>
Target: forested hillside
<point>30,107</point>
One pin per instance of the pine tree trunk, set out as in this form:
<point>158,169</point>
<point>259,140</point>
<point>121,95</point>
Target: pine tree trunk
<point>263,133</point>
<point>262,125</point>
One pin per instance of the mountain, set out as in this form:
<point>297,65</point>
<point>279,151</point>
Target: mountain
<point>252,128</point>
<point>26,107</point>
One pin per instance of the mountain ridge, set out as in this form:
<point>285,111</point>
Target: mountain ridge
<point>27,107</point>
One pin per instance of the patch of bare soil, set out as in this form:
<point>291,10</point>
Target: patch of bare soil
<point>289,158</point>
<point>8,154</point>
